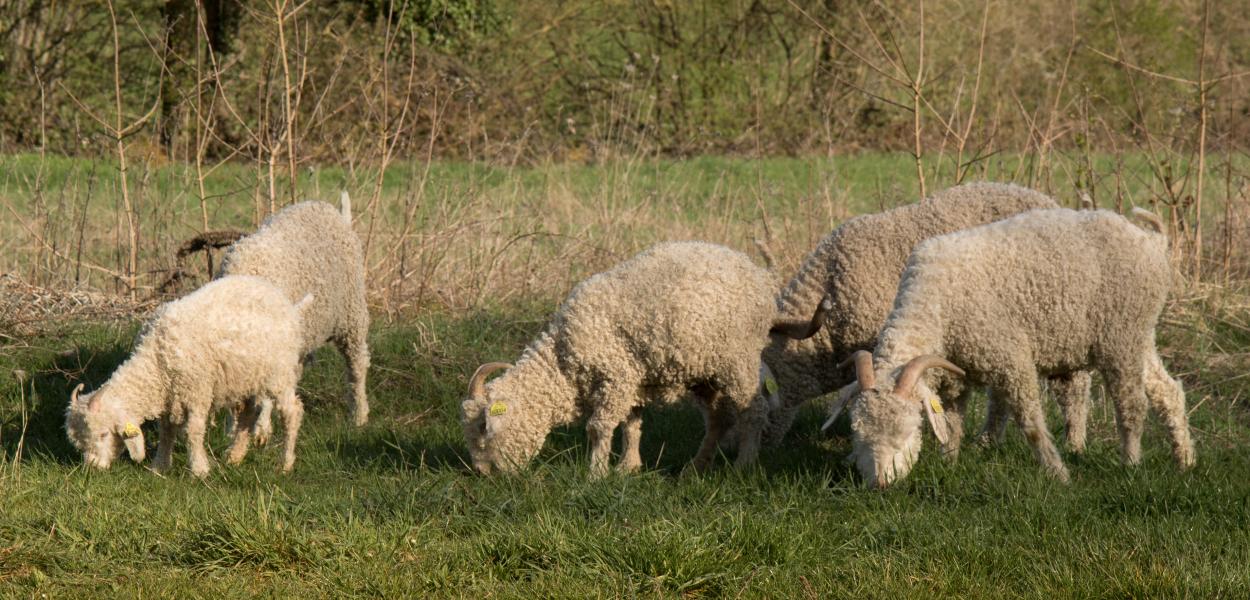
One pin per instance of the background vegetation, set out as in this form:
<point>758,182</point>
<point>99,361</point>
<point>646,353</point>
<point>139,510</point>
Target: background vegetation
<point>586,79</point>
<point>1114,102</point>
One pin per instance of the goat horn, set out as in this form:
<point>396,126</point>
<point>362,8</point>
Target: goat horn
<point>917,366</point>
<point>863,368</point>
<point>73,396</point>
<point>477,383</point>
<point>801,330</point>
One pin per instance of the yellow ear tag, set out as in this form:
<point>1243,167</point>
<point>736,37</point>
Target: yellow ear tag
<point>936,404</point>
<point>131,430</point>
<point>770,384</point>
<point>497,409</point>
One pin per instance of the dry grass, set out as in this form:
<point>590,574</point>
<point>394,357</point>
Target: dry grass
<point>456,238</point>
<point>26,309</point>
<point>460,237</point>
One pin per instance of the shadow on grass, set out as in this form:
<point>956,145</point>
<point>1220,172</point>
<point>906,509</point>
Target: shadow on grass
<point>46,395</point>
<point>670,438</point>
<point>390,449</point>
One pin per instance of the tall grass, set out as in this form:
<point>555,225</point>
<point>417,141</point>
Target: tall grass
<point>457,235</point>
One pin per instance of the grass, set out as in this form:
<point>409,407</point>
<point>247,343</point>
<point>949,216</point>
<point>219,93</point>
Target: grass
<point>391,509</point>
<point>463,235</point>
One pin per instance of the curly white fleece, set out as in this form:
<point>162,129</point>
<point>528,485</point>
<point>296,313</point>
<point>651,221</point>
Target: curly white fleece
<point>678,318</point>
<point>1045,293</point>
<point>234,340</point>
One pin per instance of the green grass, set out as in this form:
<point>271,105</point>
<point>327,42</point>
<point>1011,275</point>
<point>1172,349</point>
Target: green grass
<point>391,510</point>
<point>870,178</point>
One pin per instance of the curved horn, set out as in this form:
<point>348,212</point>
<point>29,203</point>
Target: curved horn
<point>863,368</point>
<point>917,366</point>
<point>801,330</point>
<point>477,383</point>
<point>92,404</point>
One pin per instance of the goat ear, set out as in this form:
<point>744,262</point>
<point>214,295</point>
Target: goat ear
<point>936,416</point>
<point>133,438</point>
<point>844,396</point>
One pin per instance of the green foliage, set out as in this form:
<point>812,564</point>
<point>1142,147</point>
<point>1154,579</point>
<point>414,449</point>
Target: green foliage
<point>674,75</point>
<point>1152,35</point>
<point>588,79</point>
<point>445,25</point>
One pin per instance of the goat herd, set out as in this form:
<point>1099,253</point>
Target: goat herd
<point>899,315</point>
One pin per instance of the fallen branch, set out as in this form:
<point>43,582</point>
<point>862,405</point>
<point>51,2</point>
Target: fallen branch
<point>204,242</point>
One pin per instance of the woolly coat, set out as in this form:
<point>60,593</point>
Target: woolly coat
<point>310,248</point>
<point>235,339</point>
<point>1048,292</point>
<point>678,317</point>
<point>858,266</point>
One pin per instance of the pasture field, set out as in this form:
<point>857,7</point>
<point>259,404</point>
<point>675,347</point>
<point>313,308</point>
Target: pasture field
<point>392,510</point>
